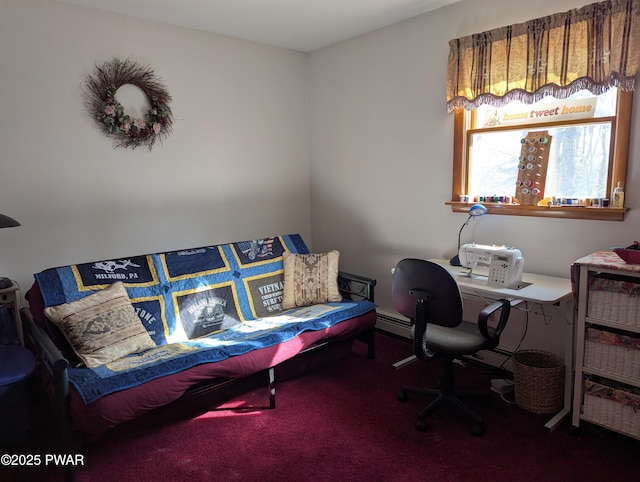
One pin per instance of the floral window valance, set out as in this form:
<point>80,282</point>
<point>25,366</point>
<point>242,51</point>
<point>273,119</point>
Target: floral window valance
<point>594,47</point>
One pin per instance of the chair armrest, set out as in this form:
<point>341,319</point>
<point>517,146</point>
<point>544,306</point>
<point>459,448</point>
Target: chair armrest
<point>353,284</point>
<point>361,287</point>
<point>483,318</point>
<point>50,358</point>
<point>43,345</point>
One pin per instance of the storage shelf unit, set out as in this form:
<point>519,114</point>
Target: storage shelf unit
<point>607,360</point>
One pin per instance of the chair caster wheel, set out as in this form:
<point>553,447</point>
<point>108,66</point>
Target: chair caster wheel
<point>421,426</point>
<point>402,396</point>
<point>477,429</point>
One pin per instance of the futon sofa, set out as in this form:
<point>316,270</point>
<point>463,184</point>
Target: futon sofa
<point>116,339</point>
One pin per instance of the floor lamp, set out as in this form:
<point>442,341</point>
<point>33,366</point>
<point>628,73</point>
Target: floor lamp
<point>474,211</point>
<point>7,222</point>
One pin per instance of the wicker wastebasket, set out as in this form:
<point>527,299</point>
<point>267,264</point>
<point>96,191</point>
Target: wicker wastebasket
<point>538,379</point>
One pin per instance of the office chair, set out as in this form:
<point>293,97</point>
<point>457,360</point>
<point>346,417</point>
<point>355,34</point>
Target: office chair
<point>429,296</point>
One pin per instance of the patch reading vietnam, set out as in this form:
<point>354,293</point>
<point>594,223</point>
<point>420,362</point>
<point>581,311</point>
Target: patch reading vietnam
<point>137,270</point>
<point>265,293</point>
<point>206,312</point>
<point>257,251</point>
<point>193,262</point>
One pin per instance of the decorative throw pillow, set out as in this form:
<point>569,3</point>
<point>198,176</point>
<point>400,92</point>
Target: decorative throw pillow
<point>101,327</point>
<point>310,279</point>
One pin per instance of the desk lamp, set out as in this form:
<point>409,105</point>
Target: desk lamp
<point>474,211</point>
<point>7,222</point>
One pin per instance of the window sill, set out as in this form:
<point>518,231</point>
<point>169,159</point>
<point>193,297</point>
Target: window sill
<point>564,212</point>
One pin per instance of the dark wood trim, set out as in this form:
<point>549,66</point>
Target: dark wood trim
<point>564,212</point>
<point>617,169</point>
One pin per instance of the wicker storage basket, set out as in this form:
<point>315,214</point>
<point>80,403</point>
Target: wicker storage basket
<point>614,300</point>
<point>616,409</point>
<point>538,378</point>
<point>613,353</point>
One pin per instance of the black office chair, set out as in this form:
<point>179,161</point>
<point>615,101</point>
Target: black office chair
<point>429,296</point>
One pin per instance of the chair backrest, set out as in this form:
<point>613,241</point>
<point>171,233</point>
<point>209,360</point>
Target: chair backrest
<point>415,278</point>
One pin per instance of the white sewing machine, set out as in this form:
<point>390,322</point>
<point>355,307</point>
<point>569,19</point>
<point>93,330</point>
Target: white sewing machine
<point>503,263</point>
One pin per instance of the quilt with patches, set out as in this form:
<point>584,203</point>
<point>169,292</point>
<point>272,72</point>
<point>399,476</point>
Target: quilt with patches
<point>198,305</point>
<point>93,383</point>
<point>186,294</point>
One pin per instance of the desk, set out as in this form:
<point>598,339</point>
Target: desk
<point>537,289</point>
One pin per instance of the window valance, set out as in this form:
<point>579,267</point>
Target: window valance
<point>594,47</point>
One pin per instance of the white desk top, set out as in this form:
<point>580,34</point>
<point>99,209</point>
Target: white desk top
<point>538,288</point>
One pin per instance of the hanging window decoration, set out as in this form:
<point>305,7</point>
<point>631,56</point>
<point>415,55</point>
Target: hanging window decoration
<point>109,114</point>
<point>593,48</point>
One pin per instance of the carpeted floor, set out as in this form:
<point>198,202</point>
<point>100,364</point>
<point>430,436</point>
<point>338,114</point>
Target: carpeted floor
<point>343,422</point>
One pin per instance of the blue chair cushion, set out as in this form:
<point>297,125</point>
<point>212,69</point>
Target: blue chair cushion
<point>16,364</point>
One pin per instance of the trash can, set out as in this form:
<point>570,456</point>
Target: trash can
<point>538,379</point>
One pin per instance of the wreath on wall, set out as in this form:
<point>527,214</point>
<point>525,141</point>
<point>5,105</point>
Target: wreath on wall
<point>109,114</point>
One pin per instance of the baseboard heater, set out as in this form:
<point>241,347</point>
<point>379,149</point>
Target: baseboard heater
<point>393,324</point>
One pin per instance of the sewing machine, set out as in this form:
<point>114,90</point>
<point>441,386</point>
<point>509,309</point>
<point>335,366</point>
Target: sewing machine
<point>503,265</point>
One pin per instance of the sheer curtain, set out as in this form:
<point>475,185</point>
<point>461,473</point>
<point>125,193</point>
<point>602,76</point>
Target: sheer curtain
<point>594,47</point>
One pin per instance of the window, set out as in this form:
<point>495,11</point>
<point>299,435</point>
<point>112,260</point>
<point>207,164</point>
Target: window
<point>542,110</point>
<point>586,159</point>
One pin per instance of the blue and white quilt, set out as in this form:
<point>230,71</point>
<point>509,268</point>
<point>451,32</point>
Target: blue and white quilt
<point>198,305</point>
<point>241,338</point>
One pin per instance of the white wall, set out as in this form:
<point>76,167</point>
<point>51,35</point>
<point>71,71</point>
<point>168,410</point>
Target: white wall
<point>382,157</point>
<point>362,124</point>
<point>236,166</point>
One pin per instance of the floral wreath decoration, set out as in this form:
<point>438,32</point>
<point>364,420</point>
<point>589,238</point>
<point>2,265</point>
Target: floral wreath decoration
<point>109,114</point>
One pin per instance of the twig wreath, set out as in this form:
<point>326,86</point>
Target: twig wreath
<point>109,114</point>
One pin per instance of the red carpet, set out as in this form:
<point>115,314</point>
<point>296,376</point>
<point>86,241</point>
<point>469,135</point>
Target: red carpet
<point>342,422</point>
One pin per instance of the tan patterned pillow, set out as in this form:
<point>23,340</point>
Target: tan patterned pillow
<point>101,327</point>
<point>310,279</point>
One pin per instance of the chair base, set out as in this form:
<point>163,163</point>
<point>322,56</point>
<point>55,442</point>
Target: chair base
<point>477,426</point>
<point>447,395</point>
